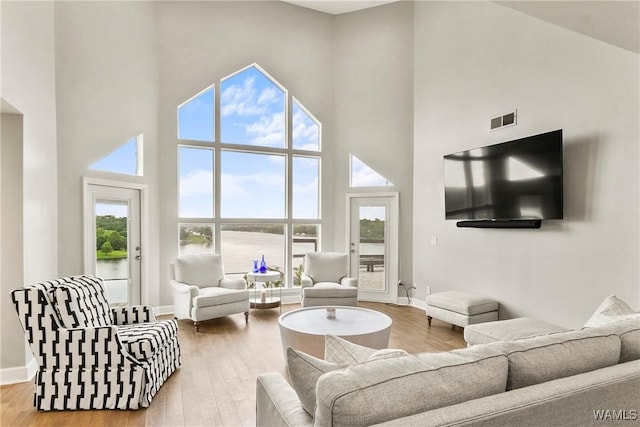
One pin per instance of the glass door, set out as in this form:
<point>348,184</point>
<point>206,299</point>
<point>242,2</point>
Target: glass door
<point>371,247</point>
<point>115,255</point>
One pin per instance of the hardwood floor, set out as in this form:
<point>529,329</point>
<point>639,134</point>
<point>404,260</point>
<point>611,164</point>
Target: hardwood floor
<point>216,384</point>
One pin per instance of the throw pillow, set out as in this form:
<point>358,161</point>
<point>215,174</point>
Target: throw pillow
<point>81,301</point>
<point>387,353</point>
<point>612,309</point>
<point>304,371</point>
<point>339,350</point>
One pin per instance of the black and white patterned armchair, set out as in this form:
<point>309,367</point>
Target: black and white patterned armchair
<point>89,355</point>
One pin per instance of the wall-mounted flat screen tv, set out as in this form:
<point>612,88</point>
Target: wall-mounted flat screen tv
<point>514,180</point>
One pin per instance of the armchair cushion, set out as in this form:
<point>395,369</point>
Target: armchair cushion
<point>329,290</point>
<point>204,270</point>
<point>326,266</point>
<point>132,314</point>
<point>218,296</point>
<point>81,302</point>
<point>145,340</point>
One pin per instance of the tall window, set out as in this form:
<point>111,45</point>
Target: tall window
<point>249,165</point>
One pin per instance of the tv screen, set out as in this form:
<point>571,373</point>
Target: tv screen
<point>519,179</point>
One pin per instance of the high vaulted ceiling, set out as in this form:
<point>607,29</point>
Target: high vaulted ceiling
<point>614,22</point>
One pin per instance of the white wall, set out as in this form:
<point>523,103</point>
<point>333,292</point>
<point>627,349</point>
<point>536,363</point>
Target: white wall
<point>474,60</point>
<point>11,235</point>
<point>374,110</point>
<point>106,77</point>
<point>201,42</point>
<point>28,85</point>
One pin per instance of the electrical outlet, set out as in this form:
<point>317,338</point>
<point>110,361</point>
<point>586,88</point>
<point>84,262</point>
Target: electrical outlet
<point>428,290</point>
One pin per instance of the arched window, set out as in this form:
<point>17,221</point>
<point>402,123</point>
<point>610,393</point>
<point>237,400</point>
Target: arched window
<point>249,174</point>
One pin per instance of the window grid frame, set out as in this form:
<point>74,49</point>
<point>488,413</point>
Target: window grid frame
<point>217,146</point>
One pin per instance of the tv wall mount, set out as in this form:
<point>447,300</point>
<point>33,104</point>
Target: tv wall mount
<point>497,223</point>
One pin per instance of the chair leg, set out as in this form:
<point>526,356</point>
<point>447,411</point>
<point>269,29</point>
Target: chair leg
<point>246,317</point>
<point>196,325</point>
<point>429,320</point>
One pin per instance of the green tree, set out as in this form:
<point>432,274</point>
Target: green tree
<point>106,248</point>
<point>118,243</point>
<point>101,237</point>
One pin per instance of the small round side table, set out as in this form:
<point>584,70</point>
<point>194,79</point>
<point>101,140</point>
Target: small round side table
<point>269,300</point>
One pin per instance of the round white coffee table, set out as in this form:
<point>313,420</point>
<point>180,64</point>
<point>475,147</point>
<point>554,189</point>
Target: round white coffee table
<point>304,329</point>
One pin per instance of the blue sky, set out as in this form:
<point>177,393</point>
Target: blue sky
<point>122,160</point>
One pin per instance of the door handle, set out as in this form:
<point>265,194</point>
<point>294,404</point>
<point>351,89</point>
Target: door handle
<point>138,257</point>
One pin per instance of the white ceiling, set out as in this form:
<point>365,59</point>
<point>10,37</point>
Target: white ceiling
<point>614,22</point>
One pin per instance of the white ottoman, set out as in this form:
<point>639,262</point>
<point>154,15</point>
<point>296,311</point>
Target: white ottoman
<point>461,308</point>
<point>509,330</point>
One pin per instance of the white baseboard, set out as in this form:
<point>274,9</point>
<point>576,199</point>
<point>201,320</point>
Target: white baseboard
<point>20,374</point>
<point>162,310</point>
<point>419,303</point>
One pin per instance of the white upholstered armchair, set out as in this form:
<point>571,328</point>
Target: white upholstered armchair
<point>202,292</point>
<point>325,280</point>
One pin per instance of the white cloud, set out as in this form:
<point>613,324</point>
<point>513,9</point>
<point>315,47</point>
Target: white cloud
<point>253,195</point>
<point>363,176</point>
<point>267,96</point>
<point>268,130</point>
<point>196,182</point>
<point>309,188</point>
<point>305,131</point>
<point>246,101</point>
<point>251,184</point>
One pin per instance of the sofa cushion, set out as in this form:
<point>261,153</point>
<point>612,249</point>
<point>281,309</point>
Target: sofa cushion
<point>612,309</point>
<point>629,332</point>
<point>380,390</point>
<point>216,296</point>
<point>326,266</point>
<point>304,371</point>
<point>203,270</point>
<point>509,330</point>
<point>81,302</point>
<point>545,358</point>
<point>144,340</point>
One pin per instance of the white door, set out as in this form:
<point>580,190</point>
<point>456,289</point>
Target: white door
<point>373,245</point>
<point>112,242</point>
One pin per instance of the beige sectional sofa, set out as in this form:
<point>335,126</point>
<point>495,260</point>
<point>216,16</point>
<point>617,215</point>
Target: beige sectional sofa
<point>583,377</point>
